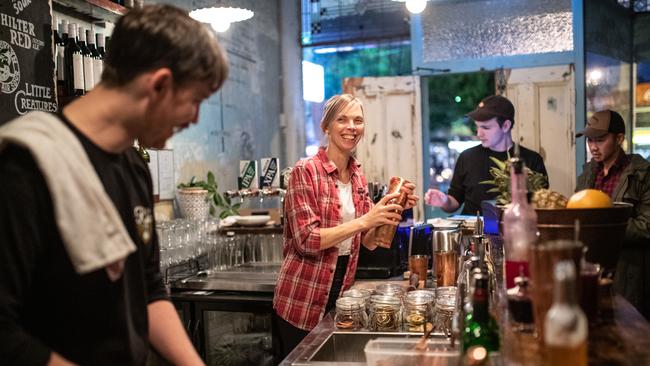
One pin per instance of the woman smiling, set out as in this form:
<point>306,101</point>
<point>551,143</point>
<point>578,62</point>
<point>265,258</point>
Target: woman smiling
<point>328,215</point>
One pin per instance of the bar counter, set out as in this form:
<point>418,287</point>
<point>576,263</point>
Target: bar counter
<point>620,336</point>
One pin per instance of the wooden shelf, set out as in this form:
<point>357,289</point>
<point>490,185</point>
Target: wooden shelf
<point>251,230</point>
<point>95,10</point>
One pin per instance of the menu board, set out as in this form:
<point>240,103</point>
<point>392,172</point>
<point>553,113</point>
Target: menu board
<point>26,59</point>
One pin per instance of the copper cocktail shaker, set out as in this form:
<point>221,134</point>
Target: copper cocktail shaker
<point>385,233</point>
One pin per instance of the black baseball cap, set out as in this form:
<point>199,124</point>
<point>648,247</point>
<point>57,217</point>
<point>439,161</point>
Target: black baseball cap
<point>493,106</point>
<point>602,123</point>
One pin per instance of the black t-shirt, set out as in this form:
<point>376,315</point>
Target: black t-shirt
<point>45,305</point>
<point>473,166</point>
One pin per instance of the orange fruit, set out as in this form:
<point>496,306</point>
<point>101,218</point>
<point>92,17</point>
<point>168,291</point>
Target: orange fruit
<point>589,198</point>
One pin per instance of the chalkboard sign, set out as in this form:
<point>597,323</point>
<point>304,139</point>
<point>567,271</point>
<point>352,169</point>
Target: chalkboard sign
<point>26,58</point>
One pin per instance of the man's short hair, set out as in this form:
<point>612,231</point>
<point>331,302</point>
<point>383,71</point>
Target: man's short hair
<point>502,120</point>
<point>158,36</point>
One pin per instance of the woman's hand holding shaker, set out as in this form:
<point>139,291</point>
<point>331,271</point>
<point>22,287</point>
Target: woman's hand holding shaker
<point>389,209</point>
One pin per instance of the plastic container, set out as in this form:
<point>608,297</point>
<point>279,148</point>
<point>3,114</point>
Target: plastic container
<point>402,352</point>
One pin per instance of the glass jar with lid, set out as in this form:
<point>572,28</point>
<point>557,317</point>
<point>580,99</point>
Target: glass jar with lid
<point>361,293</point>
<point>350,313</point>
<point>390,289</point>
<point>444,309</point>
<point>385,313</point>
<point>418,310</point>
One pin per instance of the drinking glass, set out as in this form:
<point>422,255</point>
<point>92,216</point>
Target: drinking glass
<point>543,258</point>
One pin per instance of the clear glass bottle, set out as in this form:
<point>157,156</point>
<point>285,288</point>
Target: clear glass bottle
<point>418,309</point>
<point>480,327</point>
<point>519,224</point>
<point>385,313</point>
<point>465,278</point>
<point>565,326</point>
<point>350,313</point>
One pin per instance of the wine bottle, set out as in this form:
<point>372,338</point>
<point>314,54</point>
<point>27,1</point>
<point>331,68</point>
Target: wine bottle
<point>480,327</point>
<point>56,39</point>
<point>519,223</point>
<point>100,45</point>
<point>87,61</point>
<point>98,63</point>
<point>60,41</point>
<point>107,45</point>
<point>565,325</point>
<point>74,76</point>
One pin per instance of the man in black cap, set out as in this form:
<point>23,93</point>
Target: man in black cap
<point>625,178</point>
<point>494,118</point>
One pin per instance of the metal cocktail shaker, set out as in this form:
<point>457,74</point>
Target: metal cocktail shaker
<point>445,256</point>
<point>385,233</point>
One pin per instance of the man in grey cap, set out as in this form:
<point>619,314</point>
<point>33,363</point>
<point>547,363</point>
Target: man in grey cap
<point>625,178</point>
<point>494,118</point>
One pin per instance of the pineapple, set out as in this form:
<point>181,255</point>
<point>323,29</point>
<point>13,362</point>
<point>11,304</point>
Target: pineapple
<point>501,181</point>
<point>545,198</point>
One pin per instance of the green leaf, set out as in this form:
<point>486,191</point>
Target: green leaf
<point>218,200</point>
<point>500,164</point>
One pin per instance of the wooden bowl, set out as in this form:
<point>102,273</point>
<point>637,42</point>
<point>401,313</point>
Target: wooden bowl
<point>602,230</point>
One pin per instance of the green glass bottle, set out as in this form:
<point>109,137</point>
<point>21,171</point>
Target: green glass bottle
<point>480,327</point>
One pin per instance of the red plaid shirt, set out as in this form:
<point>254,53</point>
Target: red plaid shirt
<point>311,203</point>
<point>607,183</point>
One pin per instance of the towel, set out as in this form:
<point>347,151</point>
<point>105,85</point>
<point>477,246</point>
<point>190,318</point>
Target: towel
<point>92,230</point>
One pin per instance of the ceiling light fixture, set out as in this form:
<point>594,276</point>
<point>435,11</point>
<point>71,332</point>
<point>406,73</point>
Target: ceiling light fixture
<point>414,6</point>
<point>220,18</point>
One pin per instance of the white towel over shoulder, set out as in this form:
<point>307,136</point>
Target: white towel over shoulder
<point>92,230</point>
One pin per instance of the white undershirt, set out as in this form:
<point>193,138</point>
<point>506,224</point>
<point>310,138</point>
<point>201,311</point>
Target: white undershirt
<point>347,214</point>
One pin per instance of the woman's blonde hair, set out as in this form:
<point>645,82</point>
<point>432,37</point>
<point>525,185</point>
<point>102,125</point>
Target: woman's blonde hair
<point>334,106</point>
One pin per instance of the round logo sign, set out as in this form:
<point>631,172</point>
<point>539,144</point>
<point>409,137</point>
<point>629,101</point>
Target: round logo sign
<point>9,68</point>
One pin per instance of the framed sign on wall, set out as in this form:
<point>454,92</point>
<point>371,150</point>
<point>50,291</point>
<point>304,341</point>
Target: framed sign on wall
<point>26,58</point>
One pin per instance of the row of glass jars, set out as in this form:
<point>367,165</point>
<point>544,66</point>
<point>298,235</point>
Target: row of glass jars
<point>389,309</point>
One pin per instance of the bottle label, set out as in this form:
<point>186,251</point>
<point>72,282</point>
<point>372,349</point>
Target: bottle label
<point>513,269</point>
<point>248,174</point>
<point>60,63</point>
<point>88,73</point>
<point>98,67</point>
<point>78,71</point>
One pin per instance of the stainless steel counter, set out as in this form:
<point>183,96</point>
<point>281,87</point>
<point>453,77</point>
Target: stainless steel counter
<point>326,345</point>
<point>254,277</point>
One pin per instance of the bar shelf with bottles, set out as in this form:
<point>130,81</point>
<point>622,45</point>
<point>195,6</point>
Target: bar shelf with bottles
<point>79,55</point>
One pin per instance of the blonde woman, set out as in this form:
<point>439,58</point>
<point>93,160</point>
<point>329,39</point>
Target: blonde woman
<point>328,216</point>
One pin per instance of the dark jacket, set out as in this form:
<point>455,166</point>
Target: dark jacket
<point>633,271</point>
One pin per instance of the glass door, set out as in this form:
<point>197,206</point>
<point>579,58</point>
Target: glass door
<point>235,330</point>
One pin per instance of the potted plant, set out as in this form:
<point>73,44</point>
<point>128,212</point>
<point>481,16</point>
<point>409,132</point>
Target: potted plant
<point>198,198</point>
